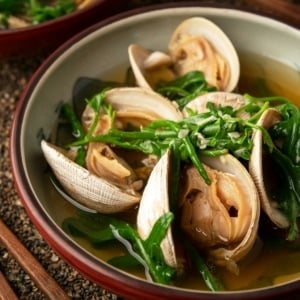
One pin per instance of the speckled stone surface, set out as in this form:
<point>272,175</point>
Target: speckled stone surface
<point>14,75</point>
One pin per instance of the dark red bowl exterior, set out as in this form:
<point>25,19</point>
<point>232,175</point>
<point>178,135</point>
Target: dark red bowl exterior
<point>47,36</point>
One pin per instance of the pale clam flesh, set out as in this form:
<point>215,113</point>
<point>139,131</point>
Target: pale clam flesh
<point>102,193</point>
<point>150,67</point>
<point>199,42</point>
<point>85,187</point>
<point>199,104</point>
<point>196,44</point>
<point>221,218</point>
<point>103,162</point>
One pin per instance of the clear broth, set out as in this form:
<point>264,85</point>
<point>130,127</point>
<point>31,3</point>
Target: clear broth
<point>266,265</point>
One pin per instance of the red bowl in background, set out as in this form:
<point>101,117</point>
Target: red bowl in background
<point>48,35</point>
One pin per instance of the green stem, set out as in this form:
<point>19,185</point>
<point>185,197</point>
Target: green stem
<point>78,131</point>
<point>195,159</point>
<point>212,282</point>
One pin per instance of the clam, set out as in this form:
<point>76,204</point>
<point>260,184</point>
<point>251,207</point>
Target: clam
<point>259,173</point>
<point>85,187</point>
<point>109,185</point>
<point>137,106</point>
<point>219,99</point>
<point>196,44</point>
<point>150,67</point>
<point>221,218</point>
<point>230,204</point>
<point>154,203</point>
<point>103,162</point>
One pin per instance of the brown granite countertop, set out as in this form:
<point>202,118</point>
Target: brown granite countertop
<point>14,75</point>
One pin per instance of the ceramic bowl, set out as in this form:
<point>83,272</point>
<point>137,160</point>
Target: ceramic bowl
<point>95,53</point>
<point>47,36</point>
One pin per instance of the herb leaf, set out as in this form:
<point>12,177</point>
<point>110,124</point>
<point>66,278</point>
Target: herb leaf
<point>185,88</point>
<point>213,282</point>
<point>103,228</point>
<point>41,13</point>
<point>148,251</point>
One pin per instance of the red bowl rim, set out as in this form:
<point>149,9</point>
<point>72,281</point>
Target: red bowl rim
<point>50,23</point>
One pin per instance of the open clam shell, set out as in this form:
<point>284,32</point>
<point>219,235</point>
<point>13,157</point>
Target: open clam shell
<point>100,193</point>
<point>136,103</point>
<point>143,103</point>
<point>222,218</point>
<point>150,67</point>
<point>154,203</point>
<point>256,169</point>
<point>196,44</point>
<point>84,187</point>
<point>219,99</point>
<point>247,206</point>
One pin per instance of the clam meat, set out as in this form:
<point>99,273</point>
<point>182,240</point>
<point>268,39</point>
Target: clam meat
<point>85,187</point>
<point>196,44</point>
<point>107,183</point>
<point>221,218</point>
<point>234,100</point>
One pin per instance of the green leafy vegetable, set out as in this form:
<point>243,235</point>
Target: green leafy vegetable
<point>78,131</point>
<point>288,131</point>
<point>214,132</point>
<point>12,6</point>
<point>40,13</point>
<point>185,88</point>
<point>4,20</point>
<point>35,9</point>
<point>97,104</point>
<point>288,193</point>
<point>217,131</point>
<point>146,252</point>
<point>287,155</point>
<point>92,227</point>
<point>283,144</point>
<point>99,229</point>
<point>213,282</point>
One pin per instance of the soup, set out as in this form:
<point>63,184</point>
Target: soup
<point>271,261</point>
<point>260,73</point>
